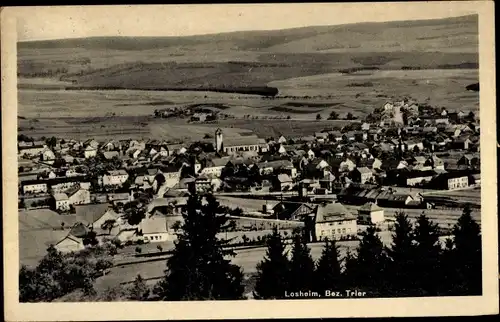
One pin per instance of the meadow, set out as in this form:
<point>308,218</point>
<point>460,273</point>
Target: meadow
<point>317,70</point>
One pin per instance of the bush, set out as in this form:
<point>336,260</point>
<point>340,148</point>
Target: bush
<point>138,250</point>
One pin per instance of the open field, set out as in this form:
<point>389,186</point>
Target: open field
<point>144,127</point>
<point>360,93</point>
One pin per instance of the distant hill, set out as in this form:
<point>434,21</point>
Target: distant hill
<point>422,35</point>
<point>252,58</point>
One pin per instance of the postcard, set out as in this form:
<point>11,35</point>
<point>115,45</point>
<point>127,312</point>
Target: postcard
<point>249,161</point>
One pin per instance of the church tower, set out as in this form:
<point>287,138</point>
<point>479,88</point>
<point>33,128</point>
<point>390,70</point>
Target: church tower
<point>218,140</point>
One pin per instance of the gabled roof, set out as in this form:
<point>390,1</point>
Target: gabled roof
<point>120,172</point>
<point>370,206</point>
<point>283,177</point>
<point>60,196</point>
<point>333,212</point>
<point>154,224</point>
<point>364,170</point>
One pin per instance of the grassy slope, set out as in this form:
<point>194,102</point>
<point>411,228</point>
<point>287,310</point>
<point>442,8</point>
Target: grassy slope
<point>280,54</point>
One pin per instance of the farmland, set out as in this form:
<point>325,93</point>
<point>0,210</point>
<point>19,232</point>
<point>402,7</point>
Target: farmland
<point>317,70</point>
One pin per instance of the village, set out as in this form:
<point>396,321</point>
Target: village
<point>404,157</point>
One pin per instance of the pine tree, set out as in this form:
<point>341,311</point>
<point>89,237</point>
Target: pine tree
<point>139,290</point>
<point>328,271</point>
<point>273,271</point>
<point>368,269</point>
<point>301,265</point>
<point>467,254</point>
<point>427,256</point>
<point>198,269</point>
<point>402,256</point>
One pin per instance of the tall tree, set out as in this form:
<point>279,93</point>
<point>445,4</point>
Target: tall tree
<point>328,271</point>
<point>198,269</point>
<point>427,257</point>
<point>301,265</point>
<point>467,254</point>
<point>273,271</point>
<point>402,256</point>
<point>369,268</point>
<point>139,290</point>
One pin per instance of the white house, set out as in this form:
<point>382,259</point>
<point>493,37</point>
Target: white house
<point>69,244</point>
<point>48,155</point>
<point>371,213</point>
<point>61,201</point>
<point>115,178</point>
<point>334,221</point>
<point>89,152</point>
<point>35,187</point>
<point>154,229</point>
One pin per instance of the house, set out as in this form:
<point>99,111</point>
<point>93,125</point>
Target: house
<point>470,160</point>
<point>91,143</point>
<point>435,163</point>
<point>106,224</point>
<point>61,201</point>
<point>115,178</point>
<point>30,149</point>
<point>108,155</point>
<point>461,143</point>
<point>283,182</point>
<point>362,175</point>
<point>335,136</point>
<point>412,145</point>
<point>269,167</point>
<point>110,146</point>
<point>90,152</point>
<point>413,178</point>
<point>321,137</point>
<point>214,167</point>
<point>310,154</point>
<point>282,149</point>
<point>365,126</point>
<point>292,211</point>
<point>334,221</point>
<point>451,181</point>
<point>282,140</point>
<point>154,229</point>
<point>77,195</point>
<point>347,166</point>
<point>371,213</point>
<point>34,186</point>
<point>48,155</point>
<point>69,244</point>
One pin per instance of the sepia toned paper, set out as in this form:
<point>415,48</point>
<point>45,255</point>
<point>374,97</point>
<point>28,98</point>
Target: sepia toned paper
<point>38,23</point>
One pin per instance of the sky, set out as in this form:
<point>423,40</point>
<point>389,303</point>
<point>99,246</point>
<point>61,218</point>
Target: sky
<point>40,23</point>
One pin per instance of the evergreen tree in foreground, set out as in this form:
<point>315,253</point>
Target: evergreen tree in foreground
<point>401,270</point>
<point>301,265</point>
<point>328,271</point>
<point>273,271</point>
<point>467,255</point>
<point>369,268</point>
<point>198,269</point>
<point>427,264</point>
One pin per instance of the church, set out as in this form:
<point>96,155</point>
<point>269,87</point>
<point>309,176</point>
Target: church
<point>234,145</point>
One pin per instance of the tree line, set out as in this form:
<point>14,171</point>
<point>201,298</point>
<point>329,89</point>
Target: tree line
<point>415,264</point>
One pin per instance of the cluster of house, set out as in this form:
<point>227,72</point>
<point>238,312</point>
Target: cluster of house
<point>329,220</point>
<point>436,151</point>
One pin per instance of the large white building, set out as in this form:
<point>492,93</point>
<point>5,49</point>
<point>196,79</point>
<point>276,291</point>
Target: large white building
<point>114,178</point>
<point>334,221</point>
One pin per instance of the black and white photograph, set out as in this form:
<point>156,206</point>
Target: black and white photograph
<point>266,153</point>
